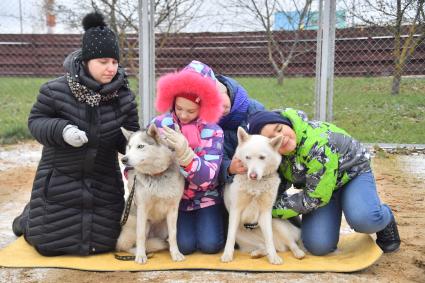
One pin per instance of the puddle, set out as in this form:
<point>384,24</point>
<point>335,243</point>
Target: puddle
<point>19,155</point>
<point>413,165</point>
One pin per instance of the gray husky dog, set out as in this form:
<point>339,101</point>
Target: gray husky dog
<point>250,198</point>
<point>159,187</point>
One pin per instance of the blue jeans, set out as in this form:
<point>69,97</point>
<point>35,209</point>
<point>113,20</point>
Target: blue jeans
<point>201,229</point>
<point>362,208</point>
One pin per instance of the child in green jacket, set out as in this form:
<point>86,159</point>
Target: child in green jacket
<point>334,174</point>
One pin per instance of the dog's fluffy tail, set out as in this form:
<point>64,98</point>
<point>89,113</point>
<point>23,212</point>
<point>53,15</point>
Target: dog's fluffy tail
<point>155,244</point>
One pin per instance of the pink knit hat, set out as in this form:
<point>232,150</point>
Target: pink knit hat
<point>192,85</point>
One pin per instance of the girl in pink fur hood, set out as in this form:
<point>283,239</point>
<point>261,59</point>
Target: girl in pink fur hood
<point>193,104</point>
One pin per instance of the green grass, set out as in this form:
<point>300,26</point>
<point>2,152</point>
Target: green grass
<point>362,106</point>
<point>16,98</point>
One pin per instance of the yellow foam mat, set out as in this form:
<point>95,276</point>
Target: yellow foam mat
<point>355,252</point>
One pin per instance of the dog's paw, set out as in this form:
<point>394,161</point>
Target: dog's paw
<point>227,257</point>
<point>177,256</point>
<point>123,245</point>
<point>300,254</point>
<point>258,253</point>
<point>275,259</point>
<point>141,259</point>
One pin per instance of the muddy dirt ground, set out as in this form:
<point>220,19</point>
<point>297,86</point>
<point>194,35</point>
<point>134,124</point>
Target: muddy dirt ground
<point>401,184</point>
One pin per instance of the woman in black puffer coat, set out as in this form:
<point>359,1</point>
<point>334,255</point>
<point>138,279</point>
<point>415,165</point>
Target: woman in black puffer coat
<point>78,197</point>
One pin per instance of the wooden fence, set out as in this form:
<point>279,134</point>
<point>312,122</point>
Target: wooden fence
<point>358,52</point>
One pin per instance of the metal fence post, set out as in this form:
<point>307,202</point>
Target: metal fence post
<point>331,65</point>
<point>325,61</point>
<point>146,61</point>
<point>318,62</point>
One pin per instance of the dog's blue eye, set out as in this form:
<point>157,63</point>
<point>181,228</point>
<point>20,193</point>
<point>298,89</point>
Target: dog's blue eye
<point>140,146</point>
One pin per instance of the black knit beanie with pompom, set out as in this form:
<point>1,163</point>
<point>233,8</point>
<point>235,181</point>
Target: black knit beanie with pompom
<point>99,41</point>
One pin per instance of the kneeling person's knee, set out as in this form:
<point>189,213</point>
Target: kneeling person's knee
<point>210,246</point>
<point>319,248</point>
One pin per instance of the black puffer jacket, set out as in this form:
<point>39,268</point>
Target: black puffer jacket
<point>77,196</point>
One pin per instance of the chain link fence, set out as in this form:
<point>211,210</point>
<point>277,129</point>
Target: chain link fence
<point>271,52</point>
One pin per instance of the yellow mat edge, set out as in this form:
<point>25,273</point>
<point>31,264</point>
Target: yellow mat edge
<point>376,253</point>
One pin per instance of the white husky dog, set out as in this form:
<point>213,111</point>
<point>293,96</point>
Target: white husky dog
<point>249,200</point>
<point>159,187</point>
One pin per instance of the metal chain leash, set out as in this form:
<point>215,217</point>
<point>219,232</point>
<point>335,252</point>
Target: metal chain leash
<point>128,204</point>
<point>124,220</point>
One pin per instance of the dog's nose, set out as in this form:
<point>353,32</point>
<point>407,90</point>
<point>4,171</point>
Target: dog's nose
<point>253,176</point>
<point>124,160</point>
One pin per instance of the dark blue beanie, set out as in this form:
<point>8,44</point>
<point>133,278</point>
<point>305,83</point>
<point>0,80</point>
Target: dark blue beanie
<point>258,120</point>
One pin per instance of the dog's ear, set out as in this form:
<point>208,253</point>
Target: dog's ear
<point>126,133</point>
<point>153,132</point>
<point>276,142</point>
<point>242,135</point>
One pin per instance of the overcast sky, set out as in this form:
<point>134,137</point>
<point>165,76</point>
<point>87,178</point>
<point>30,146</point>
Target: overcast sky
<point>211,17</point>
<point>32,21</point>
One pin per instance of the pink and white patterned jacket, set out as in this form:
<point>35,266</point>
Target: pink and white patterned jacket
<point>201,187</point>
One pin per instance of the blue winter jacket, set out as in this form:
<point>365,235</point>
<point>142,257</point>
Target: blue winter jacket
<point>242,107</point>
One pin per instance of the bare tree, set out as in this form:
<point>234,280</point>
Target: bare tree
<point>122,15</point>
<point>279,55</point>
<point>405,19</point>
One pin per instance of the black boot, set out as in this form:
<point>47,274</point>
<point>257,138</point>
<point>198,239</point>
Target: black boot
<point>388,239</point>
<point>20,222</point>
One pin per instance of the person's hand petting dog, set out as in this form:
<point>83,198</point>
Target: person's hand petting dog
<point>236,167</point>
<point>177,141</point>
<point>73,136</point>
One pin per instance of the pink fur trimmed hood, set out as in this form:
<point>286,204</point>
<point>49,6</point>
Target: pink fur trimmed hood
<point>190,82</point>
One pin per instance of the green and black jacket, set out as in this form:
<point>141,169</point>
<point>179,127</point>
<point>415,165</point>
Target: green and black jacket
<point>325,159</point>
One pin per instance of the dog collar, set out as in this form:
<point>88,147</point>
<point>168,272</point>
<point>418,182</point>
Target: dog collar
<point>158,174</point>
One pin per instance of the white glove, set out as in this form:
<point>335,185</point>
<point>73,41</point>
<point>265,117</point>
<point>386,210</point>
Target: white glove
<point>177,141</point>
<point>73,136</point>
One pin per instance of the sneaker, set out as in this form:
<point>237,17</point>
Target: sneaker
<point>388,239</point>
<point>19,223</point>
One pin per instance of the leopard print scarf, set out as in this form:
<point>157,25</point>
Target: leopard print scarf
<point>86,95</point>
